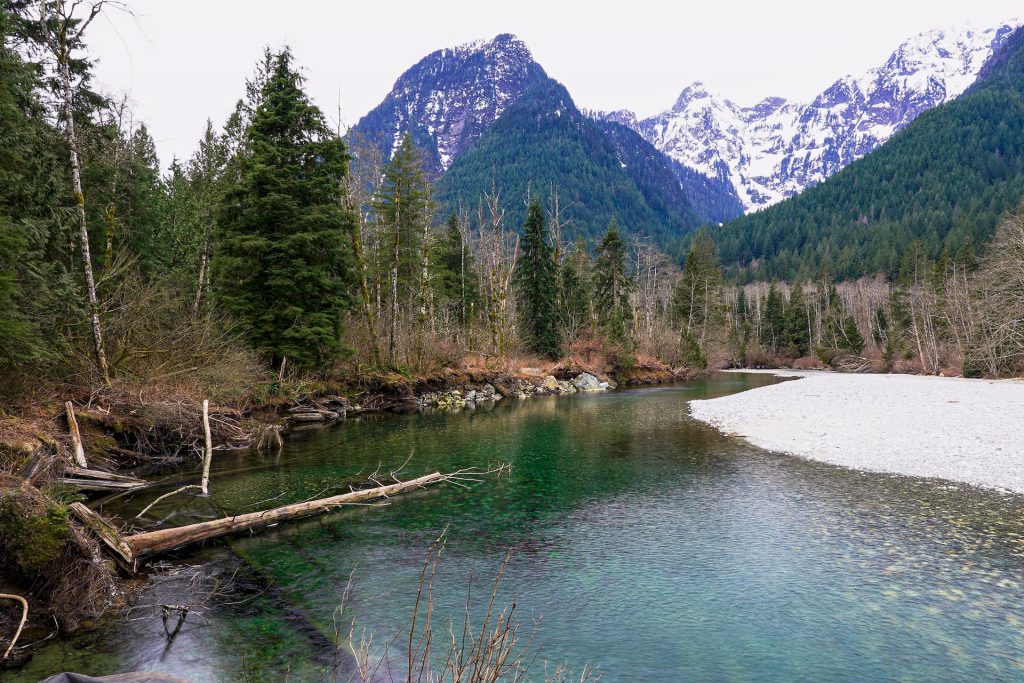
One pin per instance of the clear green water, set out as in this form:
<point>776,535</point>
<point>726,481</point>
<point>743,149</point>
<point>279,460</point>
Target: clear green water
<point>653,547</point>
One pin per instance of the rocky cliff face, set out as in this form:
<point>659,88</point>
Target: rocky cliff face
<point>451,97</point>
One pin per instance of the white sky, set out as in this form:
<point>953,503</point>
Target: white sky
<point>181,61</point>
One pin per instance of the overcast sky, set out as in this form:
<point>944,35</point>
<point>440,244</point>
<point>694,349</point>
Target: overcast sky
<point>181,61</point>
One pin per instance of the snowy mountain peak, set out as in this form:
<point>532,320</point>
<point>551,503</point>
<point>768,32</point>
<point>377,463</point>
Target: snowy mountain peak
<point>504,47</point>
<point>775,149</point>
<point>451,97</point>
<point>694,92</point>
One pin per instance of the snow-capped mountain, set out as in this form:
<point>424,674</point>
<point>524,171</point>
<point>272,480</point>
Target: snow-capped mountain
<point>451,97</point>
<point>775,148</point>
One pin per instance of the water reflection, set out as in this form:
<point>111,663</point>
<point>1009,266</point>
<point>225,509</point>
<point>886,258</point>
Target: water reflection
<point>654,547</point>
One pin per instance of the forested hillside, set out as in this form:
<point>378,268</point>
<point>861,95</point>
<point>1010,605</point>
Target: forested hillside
<point>945,180</point>
<point>543,141</point>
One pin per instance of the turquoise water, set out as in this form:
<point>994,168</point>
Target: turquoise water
<point>648,545</point>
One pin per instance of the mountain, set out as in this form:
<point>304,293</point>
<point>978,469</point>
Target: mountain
<point>776,149</point>
<point>451,97</point>
<point>600,171</point>
<point>945,179</point>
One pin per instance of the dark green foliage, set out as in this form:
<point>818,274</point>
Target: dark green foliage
<point>693,356</point>
<point>542,141</point>
<point>282,268</point>
<point>945,179</point>
<point>456,281</point>
<point>696,299</point>
<point>31,236</point>
<point>612,286</point>
<point>576,294</point>
<point>795,340</point>
<point>852,340</point>
<point>537,288</point>
<point>402,207</point>
<point>773,320</point>
<point>713,199</point>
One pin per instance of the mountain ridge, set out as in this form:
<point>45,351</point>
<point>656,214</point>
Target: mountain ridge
<point>775,148</point>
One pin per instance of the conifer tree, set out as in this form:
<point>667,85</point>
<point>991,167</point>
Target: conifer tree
<point>795,338</point>
<point>773,319</point>
<point>852,340</point>
<point>537,288</point>
<point>695,301</point>
<point>612,286</point>
<point>457,282</point>
<point>282,268</point>
<point>402,206</point>
<point>577,292</point>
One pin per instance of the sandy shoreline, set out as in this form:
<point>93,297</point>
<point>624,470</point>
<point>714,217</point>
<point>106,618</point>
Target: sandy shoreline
<point>964,430</point>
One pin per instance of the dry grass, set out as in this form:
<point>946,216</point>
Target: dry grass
<point>493,649</point>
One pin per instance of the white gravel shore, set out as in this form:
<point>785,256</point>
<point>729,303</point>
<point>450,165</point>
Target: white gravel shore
<point>964,430</point>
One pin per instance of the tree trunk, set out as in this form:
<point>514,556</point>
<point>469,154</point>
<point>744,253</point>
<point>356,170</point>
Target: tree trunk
<point>154,542</point>
<point>76,187</point>
<point>364,292</point>
<point>202,276</point>
<point>76,437</point>
<point>208,451</point>
<point>393,336</point>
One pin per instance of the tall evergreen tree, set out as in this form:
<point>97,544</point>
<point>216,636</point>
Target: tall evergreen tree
<point>402,206</point>
<point>612,286</point>
<point>795,339</point>
<point>695,301</point>
<point>537,288</point>
<point>773,319</point>
<point>457,282</point>
<point>283,267</point>
<point>575,301</point>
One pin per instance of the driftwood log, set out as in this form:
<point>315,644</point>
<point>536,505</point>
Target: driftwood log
<point>131,549</point>
<point>78,448</point>
<point>21,624</point>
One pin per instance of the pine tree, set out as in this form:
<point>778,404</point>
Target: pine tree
<point>773,319</point>
<point>537,288</point>
<point>402,206</point>
<point>795,340</point>
<point>33,241</point>
<point>612,286</point>
<point>282,267</point>
<point>695,301</point>
<point>852,340</point>
<point>577,292</point>
<point>457,283</point>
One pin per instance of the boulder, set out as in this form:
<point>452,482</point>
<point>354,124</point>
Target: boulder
<point>586,382</point>
<point>314,416</point>
<point>550,383</point>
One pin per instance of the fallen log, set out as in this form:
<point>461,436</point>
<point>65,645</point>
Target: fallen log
<point>76,436</point>
<point>101,484</point>
<point>21,624</point>
<point>106,532</point>
<point>154,542</point>
<point>100,474</point>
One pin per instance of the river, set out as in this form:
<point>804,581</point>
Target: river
<point>648,545</point>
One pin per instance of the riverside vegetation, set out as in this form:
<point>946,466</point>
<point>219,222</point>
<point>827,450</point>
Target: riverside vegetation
<point>288,262</point>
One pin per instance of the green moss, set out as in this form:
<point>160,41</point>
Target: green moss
<point>32,533</point>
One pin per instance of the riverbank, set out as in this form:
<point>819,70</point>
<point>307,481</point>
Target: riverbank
<point>139,432</point>
<point>963,430</point>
